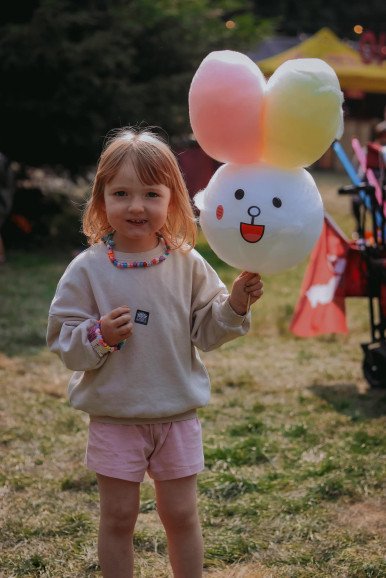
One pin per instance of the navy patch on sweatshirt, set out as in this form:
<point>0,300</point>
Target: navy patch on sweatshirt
<point>142,317</point>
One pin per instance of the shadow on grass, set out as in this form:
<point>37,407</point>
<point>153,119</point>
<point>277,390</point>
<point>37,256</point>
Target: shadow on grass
<point>345,399</point>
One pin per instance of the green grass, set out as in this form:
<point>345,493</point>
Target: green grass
<point>28,282</point>
<point>294,443</point>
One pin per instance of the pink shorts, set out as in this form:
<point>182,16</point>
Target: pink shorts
<point>165,451</point>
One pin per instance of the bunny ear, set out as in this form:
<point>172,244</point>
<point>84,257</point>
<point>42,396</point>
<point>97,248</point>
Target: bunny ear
<point>303,113</point>
<point>225,106</point>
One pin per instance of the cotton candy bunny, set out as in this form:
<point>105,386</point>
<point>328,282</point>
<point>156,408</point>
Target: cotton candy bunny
<point>262,211</point>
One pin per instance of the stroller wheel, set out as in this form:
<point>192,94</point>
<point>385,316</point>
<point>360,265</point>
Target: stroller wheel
<point>374,365</point>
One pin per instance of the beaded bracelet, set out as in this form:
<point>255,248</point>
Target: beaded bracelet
<point>94,336</point>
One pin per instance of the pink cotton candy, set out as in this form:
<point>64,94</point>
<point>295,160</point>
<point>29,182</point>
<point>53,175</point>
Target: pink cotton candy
<point>226,106</point>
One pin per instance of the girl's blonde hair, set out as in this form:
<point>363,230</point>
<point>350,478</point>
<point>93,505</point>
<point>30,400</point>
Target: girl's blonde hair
<point>154,163</point>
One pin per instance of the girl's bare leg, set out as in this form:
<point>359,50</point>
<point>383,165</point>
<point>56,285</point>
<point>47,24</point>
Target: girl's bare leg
<point>177,508</point>
<point>119,506</point>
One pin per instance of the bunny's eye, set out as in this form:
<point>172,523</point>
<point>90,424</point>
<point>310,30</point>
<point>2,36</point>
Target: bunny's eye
<point>239,194</point>
<point>276,202</point>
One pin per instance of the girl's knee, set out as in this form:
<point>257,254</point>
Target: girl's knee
<point>179,517</point>
<point>119,521</point>
<point>119,502</point>
<point>177,503</point>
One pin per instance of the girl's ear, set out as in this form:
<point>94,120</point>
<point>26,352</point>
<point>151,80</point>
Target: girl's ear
<point>303,113</point>
<point>101,203</point>
<point>225,106</point>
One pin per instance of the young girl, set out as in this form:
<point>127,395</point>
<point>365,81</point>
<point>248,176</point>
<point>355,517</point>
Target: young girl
<point>127,317</point>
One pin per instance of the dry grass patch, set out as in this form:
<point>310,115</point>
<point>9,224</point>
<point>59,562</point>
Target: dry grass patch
<point>365,517</point>
<point>240,571</point>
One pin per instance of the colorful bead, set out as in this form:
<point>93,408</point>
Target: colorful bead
<point>108,240</point>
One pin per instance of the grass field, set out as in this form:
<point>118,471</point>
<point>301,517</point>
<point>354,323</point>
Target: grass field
<point>294,442</point>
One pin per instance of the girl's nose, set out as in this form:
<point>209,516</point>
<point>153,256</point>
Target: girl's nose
<point>136,204</point>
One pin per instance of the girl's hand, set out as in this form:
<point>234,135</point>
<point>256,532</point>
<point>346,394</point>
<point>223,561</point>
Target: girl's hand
<point>244,286</point>
<point>116,326</point>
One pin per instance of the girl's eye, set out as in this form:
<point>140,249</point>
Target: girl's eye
<point>152,194</point>
<point>239,194</point>
<point>276,202</point>
<point>119,193</point>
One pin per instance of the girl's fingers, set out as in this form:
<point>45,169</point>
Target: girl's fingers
<point>126,330</point>
<point>122,320</point>
<point>250,275</point>
<point>255,291</point>
<point>254,287</point>
<point>116,313</point>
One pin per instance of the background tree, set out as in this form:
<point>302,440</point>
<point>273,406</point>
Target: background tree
<point>297,16</point>
<point>73,69</point>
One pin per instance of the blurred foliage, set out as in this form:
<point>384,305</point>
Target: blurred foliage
<point>71,70</point>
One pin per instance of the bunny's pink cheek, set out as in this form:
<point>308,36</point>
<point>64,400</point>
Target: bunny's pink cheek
<point>219,212</point>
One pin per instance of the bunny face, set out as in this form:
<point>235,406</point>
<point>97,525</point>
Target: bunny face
<point>259,218</point>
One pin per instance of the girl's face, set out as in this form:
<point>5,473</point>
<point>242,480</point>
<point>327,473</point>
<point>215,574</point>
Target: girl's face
<point>135,211</point>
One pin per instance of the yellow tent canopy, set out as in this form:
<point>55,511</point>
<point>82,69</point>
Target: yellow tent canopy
<point>352,72</point>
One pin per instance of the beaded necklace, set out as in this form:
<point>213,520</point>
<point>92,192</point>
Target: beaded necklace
<point>109,241</point>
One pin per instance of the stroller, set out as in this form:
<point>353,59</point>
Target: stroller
<point>366,264</point>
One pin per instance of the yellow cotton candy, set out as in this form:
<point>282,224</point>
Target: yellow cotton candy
<point>303,113</point>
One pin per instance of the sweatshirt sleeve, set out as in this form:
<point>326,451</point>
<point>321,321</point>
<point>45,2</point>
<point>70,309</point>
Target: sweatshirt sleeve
<point>213,320</point>
<point>72,316</point>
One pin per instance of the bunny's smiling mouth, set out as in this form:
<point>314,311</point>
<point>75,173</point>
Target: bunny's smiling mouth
<point>251,233</point>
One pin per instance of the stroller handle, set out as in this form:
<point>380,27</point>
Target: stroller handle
<point>355,189</point>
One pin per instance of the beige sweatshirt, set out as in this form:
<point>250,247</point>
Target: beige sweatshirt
<point>176,306</point>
